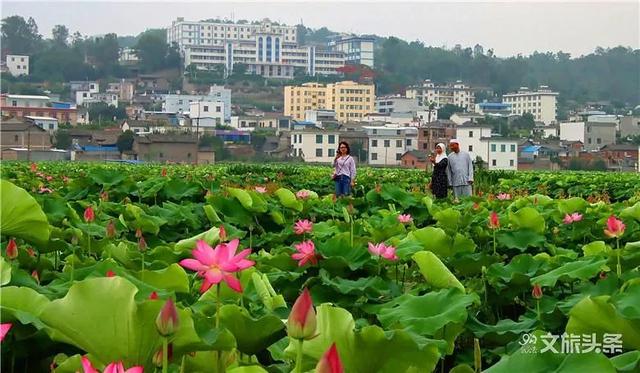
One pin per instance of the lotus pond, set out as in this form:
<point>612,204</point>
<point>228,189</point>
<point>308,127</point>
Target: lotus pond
<point>258,268</point>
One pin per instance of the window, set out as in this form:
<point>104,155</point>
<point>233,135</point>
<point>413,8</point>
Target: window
<point>513,148</point>
<point>206,108</point>
<point>493,147</point>
<point>374,143</point>
<point>188,155</point>
<point>218,109</point>
<point>318,139</point>
<point>408,142</point>
<point>470,148</point>
<point>332,139</point>
<point>161,155</point>
<point>318,152</point>
<point>398,132</point>
<point>15,138</point>
<point>387,143</point>
<point>470,133</point>
<point>503,148</point>
<point>599,140</point>
<point>398,156</point>
<point>589,140</point>
<point>493,162</point>
<point>14,103</point>
<point>332,153</point>
<point>398,143</point>
<point>374,156</point>
<point>511,163</point>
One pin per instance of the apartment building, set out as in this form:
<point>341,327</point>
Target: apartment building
<point>350,101</point>
<point>175,103</point>
<point>498,153</point>
<point>266,48</point>
<point>593,135</point>
<point>388,144</point>
<point>458,94</point>
<point>357,50</point>
<point>17,64</point>
<point>397,104</point>
<point>315,145</point>
<point>541,103</point>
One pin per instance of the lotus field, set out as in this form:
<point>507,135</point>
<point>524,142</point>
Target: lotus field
<point>259,268</point>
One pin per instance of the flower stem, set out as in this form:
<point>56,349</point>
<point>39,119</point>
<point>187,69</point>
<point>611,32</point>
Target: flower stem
<point>142,268</point>
<point>618,266</point>
<point>73,266</point>
<point>165,354</point>
<point>538,310</point>
<point>219,352</point>
<point>298,368</point>
<point>494,242</point>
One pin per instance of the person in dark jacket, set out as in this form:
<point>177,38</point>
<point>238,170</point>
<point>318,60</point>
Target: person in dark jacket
<point>439,183</point>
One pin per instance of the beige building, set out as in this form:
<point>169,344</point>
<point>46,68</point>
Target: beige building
<point>541,103</point>
<point>351,101</point>
<point>315,145</point>
<point>458,94</point>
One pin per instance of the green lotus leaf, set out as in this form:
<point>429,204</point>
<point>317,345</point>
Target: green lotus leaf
<point>627,362</point>
<point>631,212</point>
<point>435,272</point>
<point>5,272</point>
<point>242,196</point>
<point>21,216</point>
<point>571,205</point>
<point>527,218</point>
<point>520,239</point>
<point>288,199</point>
<point>579,269</point>
<point>252,335</point>
<point>370,349</point>
<point>211,237</point>
<point>448,219</point>
<point>596,248</point>
<point>598,315</point>
<point>432,239</point>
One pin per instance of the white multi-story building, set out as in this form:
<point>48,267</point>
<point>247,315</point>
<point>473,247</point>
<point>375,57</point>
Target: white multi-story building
<point>398,104</point>
<point>458,94</point>
<point>266,48</point>
<point>315,145</point>
<point>388,144</point>
<point>87,98</point>
<point>593,135</point>
<point>540,103</point>
<point>174,103</point>
<point>357,50</point>
<point>497,152</point>
<point>46,123</point>
<point>206,114</point>
<point>17,64</point>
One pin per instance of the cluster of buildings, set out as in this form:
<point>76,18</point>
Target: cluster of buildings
<point>266,48</point>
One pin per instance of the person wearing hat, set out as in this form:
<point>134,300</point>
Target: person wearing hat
<point>459,170</point>
<point>439,185</point>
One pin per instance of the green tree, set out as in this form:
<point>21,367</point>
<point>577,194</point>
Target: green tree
<point>152,49</point>
<point>63,139</point>
<point>524,122</point>
<point>60,35</point>
<point>20,36</point>
<point>446,111</point>
<point>125,141</point>
<point>100,112</point>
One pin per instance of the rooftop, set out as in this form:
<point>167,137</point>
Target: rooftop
<point>27,97</point>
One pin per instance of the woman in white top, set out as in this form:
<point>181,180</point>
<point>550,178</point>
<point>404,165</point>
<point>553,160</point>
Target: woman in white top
<point>344,173</point>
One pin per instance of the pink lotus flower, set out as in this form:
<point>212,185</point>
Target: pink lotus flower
<point>222,233</point>
<point>31,252</point>
<point>303,194</point>
<point>494,220</point>
<point>163,172</point>
<point>504,196</point>
<point>34,167</point>
<point>49,178</point>
<point>575,217</point>
<point>302,320</point>
<point>111,368</point>
<point>35,276</point>
<point>89,215</point>
<point>153,295</point>
<point>303,226</point>
<point>142,244</point>
<point>260,189</point>
<point>167,321</point>
<point>104,196</point>
<point>306,253</point>
<point>45,190</point>
<point>382,250</point>
<point>330,361</point>
<point>12,249</point>
<point>476,205</point>
<point>615,227</point>
<point>138,233</point>
<point>4,329</point>
<point>536,292</point>
<point>405,218</point>
<point>65,179</point>
<point>110,273</point>
<point>216,265</point>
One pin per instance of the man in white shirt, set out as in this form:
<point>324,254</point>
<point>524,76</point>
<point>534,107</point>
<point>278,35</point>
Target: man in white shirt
<point>459,170</point>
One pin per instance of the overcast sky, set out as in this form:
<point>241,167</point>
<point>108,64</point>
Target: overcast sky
<point>509,27</point>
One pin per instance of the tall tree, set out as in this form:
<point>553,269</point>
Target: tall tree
<point>152,49</point>
<point>60,35</point>
<point>20,36</point>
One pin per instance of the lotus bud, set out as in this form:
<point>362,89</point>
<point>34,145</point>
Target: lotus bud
<point>167,321</point>
<point>12,249</point>
<point>302,319</point>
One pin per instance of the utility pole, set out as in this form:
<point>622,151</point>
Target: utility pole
<point>29,142</point>
<point>198,132</point>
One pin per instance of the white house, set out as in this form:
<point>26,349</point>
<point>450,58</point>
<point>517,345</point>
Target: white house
<point>245,122</point>
<point>206,113</point>
<point>25,101</point>
<point>540,103</point>
<point>174,103</point>
<point>46,123</point>
<point>388,144</point>
<point>498,153</point>
<point>88,97</point>
<point>17,64</point>
<point>462,118</point>
<point>315,145</point>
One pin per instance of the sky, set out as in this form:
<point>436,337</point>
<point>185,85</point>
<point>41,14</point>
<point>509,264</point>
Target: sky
<point>509,27</point>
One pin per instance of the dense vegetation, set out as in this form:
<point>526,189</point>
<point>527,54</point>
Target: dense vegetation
<point>99,264</point>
